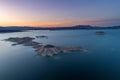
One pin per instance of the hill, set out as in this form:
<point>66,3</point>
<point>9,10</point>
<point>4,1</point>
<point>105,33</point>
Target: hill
<point>76,27</point>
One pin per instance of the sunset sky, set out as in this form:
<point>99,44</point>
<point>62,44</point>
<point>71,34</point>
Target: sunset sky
<point>59,12</point>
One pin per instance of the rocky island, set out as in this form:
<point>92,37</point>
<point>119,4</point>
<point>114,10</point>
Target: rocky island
<point>44,50</point>
<point>50,50</point>
<point>26,41</point>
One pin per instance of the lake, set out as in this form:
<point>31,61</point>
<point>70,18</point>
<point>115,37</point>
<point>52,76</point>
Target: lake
<point>101,61</point>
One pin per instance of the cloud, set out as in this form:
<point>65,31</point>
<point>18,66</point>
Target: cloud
<point>104,22</point>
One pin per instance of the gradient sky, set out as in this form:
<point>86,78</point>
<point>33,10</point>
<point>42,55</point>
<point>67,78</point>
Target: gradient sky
<point>59,12</point>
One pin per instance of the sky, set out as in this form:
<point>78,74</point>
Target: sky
<point>53,13</point>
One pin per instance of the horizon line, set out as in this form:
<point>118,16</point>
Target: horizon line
<point>57,26</point>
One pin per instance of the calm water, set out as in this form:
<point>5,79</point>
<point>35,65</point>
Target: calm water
<point>100,62</point>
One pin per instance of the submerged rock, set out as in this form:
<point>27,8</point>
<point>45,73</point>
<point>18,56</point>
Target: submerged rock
<point>14,44</point>
<point>71,49</point>
<point>42,36</point>
<point>31,43</point>
<point>49,46</point>
<point>100,33</point>
<point>37,46</point>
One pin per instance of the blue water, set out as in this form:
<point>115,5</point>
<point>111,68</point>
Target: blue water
<point>101,61</point>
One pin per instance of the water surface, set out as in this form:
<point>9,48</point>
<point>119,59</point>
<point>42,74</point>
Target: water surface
<point>100,62</point>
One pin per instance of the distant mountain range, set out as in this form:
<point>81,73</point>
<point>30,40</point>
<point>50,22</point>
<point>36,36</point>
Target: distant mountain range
<point>77,27</point>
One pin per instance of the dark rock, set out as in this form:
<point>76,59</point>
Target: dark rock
<point>100,33</point>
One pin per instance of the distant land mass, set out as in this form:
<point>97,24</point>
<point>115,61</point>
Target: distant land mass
<point>76,27</point>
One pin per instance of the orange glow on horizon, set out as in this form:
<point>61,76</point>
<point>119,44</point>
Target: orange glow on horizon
<point>40,24</point>
<point>51,24</point>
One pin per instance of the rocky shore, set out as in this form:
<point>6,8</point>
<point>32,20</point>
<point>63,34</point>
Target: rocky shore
<point>44,50</point>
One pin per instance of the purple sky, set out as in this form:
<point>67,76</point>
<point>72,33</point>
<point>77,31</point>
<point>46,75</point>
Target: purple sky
<point>59,12</point>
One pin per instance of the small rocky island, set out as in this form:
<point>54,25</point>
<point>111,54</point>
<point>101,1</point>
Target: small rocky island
<point>44,50</point>
<point>43,36</point>
<point>100,33</point>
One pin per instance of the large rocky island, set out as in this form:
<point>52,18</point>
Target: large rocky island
<point>44,50</point>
